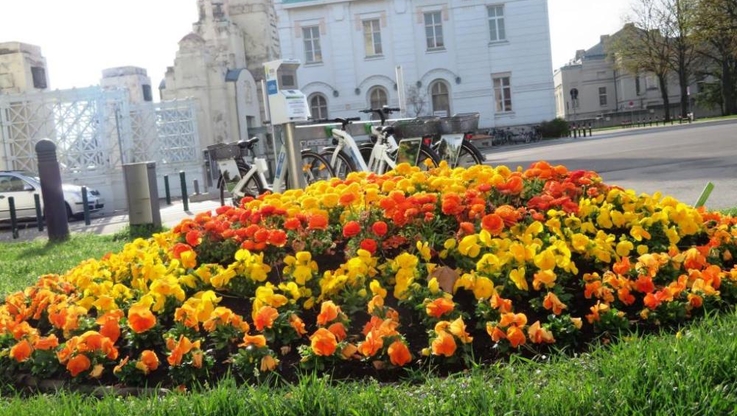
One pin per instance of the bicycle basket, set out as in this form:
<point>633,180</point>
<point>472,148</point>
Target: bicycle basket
<point>223,151</point>
<point>418,127</point>
<point>460,123</point>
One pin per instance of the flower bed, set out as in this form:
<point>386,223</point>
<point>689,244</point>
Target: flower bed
<point>376,273</point>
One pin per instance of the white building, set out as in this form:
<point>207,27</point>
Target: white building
<point>486,56</point>
<point>22,68</point>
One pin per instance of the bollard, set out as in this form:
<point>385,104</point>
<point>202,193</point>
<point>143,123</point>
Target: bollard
<point>183,182</point>
<point>39,215</point>
<point>196,187</point>
<point>166,190</point>
<point>53,196</point>
<point>591,131</point>
<point>85,206</point>
<point>13,219</point>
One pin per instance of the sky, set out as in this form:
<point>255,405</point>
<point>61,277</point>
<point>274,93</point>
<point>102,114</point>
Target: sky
<point>80,38</point>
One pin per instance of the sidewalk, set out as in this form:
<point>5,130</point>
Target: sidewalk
<point>111,223</point>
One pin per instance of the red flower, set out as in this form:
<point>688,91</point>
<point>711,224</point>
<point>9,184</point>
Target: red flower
<point>292,224</point>
<point>317,222</point>
<point>351,228</point>
<point>369,244</point>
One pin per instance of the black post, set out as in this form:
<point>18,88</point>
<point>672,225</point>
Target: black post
<point>591,131</point>
<point>53,196</point>
<point>86,208</point>
<point>39,215</point>
<point>166,190</point>
<point>183,182</point>
<point>13,218</point>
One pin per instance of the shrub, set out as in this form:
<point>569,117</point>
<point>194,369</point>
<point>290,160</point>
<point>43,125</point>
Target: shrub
<point>555,128</point>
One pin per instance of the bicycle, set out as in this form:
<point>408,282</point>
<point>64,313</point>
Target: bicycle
<point>380,156</point>
<point>251,178</point>
<point>444,145</point>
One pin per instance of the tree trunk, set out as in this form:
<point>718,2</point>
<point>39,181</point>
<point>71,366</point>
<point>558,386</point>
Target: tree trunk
<point>729,100</point>
<point>683,80</point>
<point>664,93</point>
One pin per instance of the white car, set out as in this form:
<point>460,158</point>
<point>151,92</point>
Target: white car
<point>22,186</point>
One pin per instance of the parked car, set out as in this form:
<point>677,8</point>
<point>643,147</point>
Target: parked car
<point>22,186</point>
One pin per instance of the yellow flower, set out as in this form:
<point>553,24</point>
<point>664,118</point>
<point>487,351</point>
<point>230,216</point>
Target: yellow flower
<point>469,246</point>
<point>424,250</point>
<point>433,286</point>
<point>518,277</point>
<point>376,288</point>
<point>483,288</point>
<point>545,260</point>
<point>624,248</point>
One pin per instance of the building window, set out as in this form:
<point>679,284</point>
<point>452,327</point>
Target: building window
<point>651,82</point>
<point>602,96</point>
<point>440,98</point>
<point>434,30</point>
<point>496,23</point>
<point>147,96</point>
<point>318,107</point>
<point>502,94</point>
<point>372,37</point>
<point>39,77</point>
<point>637,85</point>
<point>311,36</point>
<point>378,97</point>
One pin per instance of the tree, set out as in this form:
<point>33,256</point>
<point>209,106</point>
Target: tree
<point>416,101</point>
<point>716,33</point>
<point>659,40</point>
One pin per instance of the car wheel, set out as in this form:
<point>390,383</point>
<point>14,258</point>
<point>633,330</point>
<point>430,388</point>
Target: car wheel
<point>70,216</point>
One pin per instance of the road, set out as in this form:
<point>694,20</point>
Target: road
<point>676,160</point>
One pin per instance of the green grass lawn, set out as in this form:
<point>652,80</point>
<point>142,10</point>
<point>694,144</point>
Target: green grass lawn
<point>691,372</point>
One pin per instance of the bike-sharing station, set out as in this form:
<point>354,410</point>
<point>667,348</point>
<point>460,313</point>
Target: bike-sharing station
<point>341,145</point>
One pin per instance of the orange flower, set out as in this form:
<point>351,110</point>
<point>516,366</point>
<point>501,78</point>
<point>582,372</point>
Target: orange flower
<point>292,223</point>
<point>399,354</point>
<point>519,319</point>
<point>79,363</point>
<point>515,336</point>
<point>503,305</point>
<point>197,359</point>
<point>328,313</point>
<point>338,330</point>
<point>458,328</point>
<point>538,334</point>
<point>492,223</point>
<point>317,222</point>
<point>439,307</point>
<point>194,238</point>
<point>495,332</point>
<point>552,302</point>
<point>268,363</point>
<point>265,318</point>
<point>140,318</point>
<point>323,342</point>
<point>277,238</point>
<point>297,324</point>
<point>444,344</point>
<point>97,371</point>
<point>21,351</point>
<point>379,228</point>
<point>351,228</point>
<point>373,344</point>
<point>179,349</point>
<point>256,340</point>
<point>46,343</point>
<point>348,351</point>
<point>148,362</point>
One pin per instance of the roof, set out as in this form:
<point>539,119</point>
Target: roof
<point>192,37</point>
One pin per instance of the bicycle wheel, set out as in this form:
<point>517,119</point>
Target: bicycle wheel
<point>314,168</point>
<point>253,188</point>
<point>469,155</point>
<point>343,165</point>
<point>428,158</point>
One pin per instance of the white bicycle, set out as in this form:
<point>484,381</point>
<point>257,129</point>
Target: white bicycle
<point>347,156</point>
<point>243,179</point>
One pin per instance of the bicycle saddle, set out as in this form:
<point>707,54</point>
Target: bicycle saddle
<point>248,144</point>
